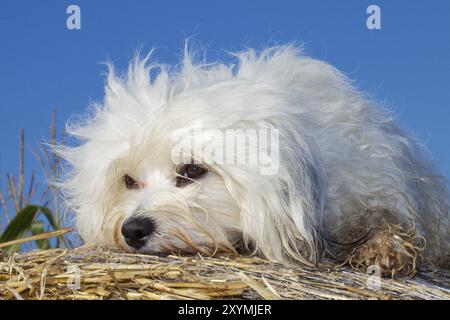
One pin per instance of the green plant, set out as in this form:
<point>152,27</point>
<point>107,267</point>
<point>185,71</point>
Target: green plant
<point>26,215</point>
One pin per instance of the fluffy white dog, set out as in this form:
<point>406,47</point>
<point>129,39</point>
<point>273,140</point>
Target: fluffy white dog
<point>342,182</point>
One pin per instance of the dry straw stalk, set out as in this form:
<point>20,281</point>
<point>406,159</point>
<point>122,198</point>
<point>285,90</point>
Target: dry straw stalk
<point>90,272</point>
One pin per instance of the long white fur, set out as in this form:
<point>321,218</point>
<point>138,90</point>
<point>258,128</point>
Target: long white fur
<point>344,164</point>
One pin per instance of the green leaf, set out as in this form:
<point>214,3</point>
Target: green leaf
<point>50,217</point>
<point>24,222</point>
<point>20,225</point>
<point>37,227</point>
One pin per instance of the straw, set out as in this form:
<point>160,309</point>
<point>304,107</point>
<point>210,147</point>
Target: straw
<point>90,272</point>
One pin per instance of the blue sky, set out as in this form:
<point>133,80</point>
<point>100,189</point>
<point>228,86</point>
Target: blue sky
<point>44,66</point>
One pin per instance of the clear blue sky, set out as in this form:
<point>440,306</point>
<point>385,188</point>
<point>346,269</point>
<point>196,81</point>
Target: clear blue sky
<point>44,66</point>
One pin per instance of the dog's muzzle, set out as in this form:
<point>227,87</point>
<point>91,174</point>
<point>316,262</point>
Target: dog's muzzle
<point>137,230</point>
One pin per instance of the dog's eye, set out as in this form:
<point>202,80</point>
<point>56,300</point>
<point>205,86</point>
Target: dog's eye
<point>130,183</point>
<point>192,171</point>
<point>189,172</point>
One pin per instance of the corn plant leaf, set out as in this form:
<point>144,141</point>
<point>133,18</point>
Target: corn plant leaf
<point>37,227</point>
<point>50,217</point>
<point>54,224</point>
<point>20,224</point>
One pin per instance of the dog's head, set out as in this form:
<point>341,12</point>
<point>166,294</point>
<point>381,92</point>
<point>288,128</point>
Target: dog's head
<point>211,157</point>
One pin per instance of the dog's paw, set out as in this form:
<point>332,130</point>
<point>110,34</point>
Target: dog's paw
<point>392,249</point>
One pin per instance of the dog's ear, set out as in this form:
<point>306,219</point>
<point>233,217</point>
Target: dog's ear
<point>281,214</point>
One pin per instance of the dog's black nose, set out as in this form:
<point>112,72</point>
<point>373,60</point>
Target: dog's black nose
<point>135,230</point>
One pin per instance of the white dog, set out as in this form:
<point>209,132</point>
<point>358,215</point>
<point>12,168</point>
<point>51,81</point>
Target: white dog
<point>342,182</point>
